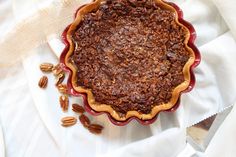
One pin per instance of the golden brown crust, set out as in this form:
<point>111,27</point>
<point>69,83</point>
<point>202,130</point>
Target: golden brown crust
<point>106,108</point>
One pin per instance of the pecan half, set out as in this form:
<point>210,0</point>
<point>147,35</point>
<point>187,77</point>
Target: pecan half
<point>62,88</point>
<point>68,121</point>
<point>95,128</point>
<point>43,82</point>
<point>57,70</point>
<point>46,67</point>
<point>60,78</point>
<point>64,102</point>
<point>77,108</point>
<point>84,120</point>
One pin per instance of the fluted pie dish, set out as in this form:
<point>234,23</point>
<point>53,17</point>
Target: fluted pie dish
<point>130,59</point>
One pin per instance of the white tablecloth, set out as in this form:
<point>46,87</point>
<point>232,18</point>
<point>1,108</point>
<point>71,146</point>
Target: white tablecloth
<point>30,117</point>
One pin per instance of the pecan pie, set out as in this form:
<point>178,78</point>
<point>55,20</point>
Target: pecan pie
<point>130,57</point>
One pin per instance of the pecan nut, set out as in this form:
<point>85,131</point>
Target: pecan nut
<point>62,88</point>
<point>77,108</point>
<point>68,121</point>
<point>84,120</point>
<point>95,128</point>
<point>57,70</point>
<point>60,78</point>
<point>64,102</point>
<point>43,82</point>
<point>46,67</point>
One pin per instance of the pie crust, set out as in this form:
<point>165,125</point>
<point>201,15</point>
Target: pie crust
<point>107,108</point>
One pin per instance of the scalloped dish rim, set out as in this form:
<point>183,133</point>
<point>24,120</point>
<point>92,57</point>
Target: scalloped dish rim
<point>97,107</point>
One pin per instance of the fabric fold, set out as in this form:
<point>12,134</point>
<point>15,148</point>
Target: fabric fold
<point>41,131</point>
<point>227,8</point>
<point>31,32</point>
<point>2,145</point>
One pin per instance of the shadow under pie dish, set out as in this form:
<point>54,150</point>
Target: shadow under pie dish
<point>130,59</point>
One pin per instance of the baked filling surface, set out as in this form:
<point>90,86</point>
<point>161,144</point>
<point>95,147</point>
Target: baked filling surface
<point>131,54</point>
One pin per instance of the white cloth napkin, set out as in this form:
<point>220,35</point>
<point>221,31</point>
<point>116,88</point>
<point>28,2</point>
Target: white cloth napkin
<point>228,11</point>
<point>31,117</point>
<point>2,148</point>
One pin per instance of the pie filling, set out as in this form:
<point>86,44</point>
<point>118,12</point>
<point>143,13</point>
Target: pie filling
<point>131,54</point>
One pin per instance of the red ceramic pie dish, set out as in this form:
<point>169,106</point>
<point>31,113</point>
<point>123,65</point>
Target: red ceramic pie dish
<point>89,109</point>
